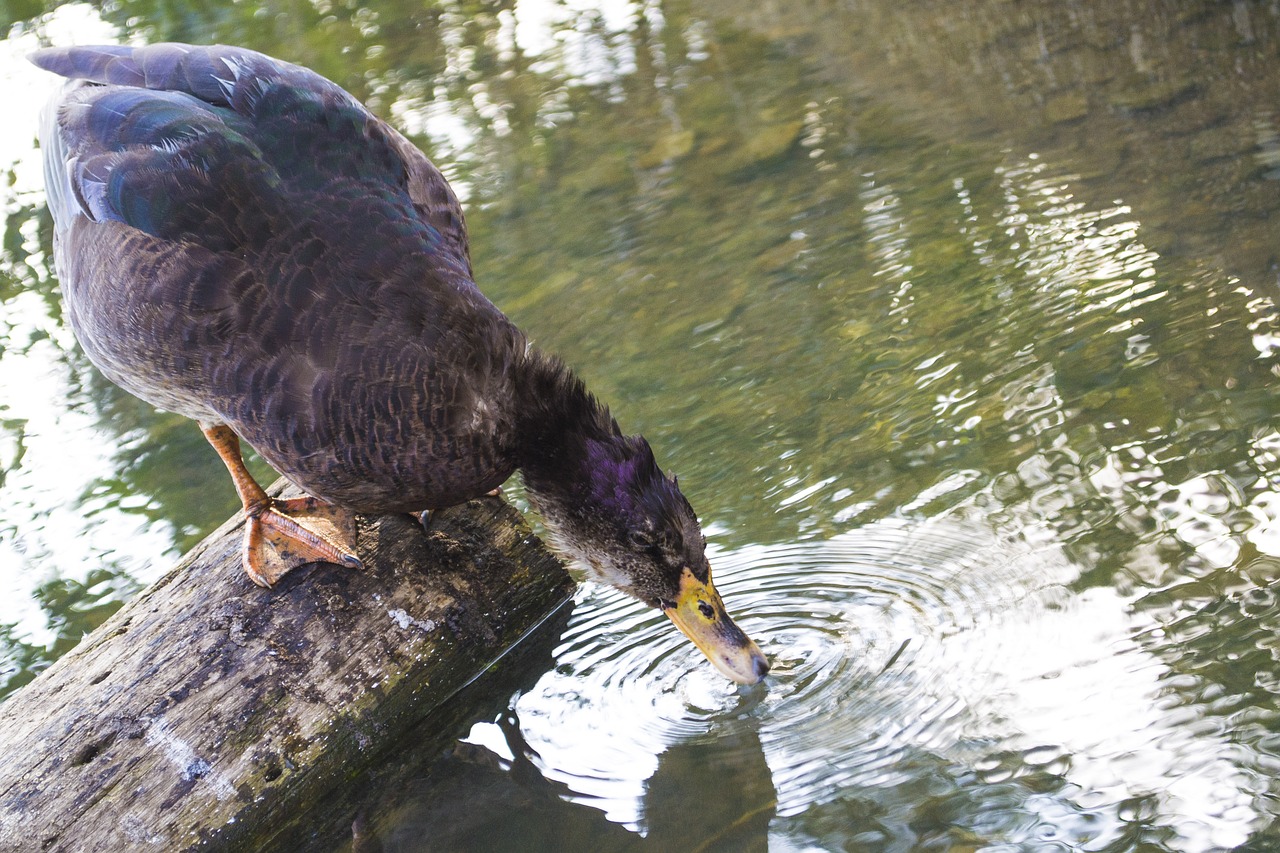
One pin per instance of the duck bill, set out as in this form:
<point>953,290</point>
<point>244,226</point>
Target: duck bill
<point>700,615</point>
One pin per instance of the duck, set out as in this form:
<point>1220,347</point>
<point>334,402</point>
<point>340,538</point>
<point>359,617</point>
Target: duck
<point>241,241</point>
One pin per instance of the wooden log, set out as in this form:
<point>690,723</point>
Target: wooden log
<point>209,712</point>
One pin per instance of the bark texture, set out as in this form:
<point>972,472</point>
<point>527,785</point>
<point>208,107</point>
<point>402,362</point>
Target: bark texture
<point>211,713</point>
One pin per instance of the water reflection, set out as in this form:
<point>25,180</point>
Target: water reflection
<point>966,354</point>
<point>935,683</point>
<point>704,795</point>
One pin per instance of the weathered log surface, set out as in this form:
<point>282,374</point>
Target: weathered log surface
<point>208,712</point>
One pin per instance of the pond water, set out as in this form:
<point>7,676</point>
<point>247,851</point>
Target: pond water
<point>958,322</point>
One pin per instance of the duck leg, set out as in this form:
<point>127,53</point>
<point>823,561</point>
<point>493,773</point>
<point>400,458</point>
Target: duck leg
<point>281,535</point>
<point>425,517</point>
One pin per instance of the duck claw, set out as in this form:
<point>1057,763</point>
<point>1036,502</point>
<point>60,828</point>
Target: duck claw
<point>294,532</point>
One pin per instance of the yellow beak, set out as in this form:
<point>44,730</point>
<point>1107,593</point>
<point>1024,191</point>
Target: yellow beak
<point>700,614</point>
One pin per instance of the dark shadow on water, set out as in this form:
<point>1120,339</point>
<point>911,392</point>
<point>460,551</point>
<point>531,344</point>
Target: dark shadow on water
<point>470,800</point>
<point>712,795</point>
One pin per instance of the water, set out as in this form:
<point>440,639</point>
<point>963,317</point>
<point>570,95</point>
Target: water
<point>959,326</point>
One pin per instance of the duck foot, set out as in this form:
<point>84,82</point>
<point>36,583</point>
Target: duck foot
<point>281,535</point>
<point>291,533</point>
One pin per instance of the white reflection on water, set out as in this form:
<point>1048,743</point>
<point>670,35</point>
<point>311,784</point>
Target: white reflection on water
<point>581,42</point>
<point>900,650</point>
<point>56,524</point>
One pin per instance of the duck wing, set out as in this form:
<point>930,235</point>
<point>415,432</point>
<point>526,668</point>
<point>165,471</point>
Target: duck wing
<point>184,141</point>
<point>241,241</point>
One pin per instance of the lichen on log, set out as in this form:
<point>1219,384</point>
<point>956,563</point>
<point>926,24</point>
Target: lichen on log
<point>208,712</point>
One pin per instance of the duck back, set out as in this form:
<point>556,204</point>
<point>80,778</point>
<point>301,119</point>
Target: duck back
<point>239,240</point>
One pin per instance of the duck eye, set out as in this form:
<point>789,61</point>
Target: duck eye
<point>707,611</point>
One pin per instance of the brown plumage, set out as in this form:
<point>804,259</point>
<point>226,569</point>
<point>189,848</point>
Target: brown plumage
<point>240,241</point>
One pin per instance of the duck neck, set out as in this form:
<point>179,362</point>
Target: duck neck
<point>581,473</point>
<point>558,421</point>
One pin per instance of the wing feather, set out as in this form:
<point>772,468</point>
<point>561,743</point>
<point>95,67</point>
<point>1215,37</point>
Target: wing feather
<point>191,112</point>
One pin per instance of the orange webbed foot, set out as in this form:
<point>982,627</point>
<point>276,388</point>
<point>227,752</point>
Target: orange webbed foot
<point>282,534</point>
<point>291,533</point>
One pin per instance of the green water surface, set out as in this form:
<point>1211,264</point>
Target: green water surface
<point>957,321</point>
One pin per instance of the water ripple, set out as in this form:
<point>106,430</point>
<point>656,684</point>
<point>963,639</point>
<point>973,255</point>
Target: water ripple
<point>855,628</point>
<point>917,666</point>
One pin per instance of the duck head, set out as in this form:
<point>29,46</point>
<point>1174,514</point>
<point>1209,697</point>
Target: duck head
<point>611,509</point>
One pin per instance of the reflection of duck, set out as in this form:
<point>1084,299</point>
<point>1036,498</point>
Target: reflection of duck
<point>471,799</point>
<point>241,241</point>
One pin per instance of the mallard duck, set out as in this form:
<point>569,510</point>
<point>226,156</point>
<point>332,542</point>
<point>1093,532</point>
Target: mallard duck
<point>241,241</point>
